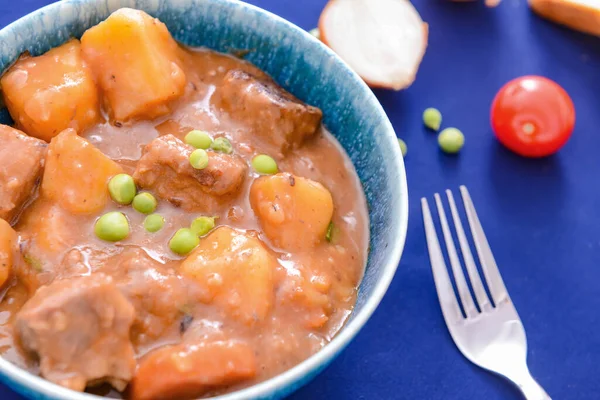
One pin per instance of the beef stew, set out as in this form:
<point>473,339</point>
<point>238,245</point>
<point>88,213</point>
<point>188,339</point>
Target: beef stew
<point>128,270</point>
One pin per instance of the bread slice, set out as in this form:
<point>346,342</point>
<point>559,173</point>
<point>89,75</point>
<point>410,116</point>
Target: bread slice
<point>581,15</point>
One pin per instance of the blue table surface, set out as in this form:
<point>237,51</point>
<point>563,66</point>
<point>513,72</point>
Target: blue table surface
<point>542,217</point>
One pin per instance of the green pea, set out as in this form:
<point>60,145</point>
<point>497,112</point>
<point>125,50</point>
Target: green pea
<point>451,140</point>
<point>145,203</point>
<point>112,227</point>
<point>263,164</point>
<point>202,225</point>
<point>154,222</point>
<point>199,159</point>
<point>432,118</point>
<point>403,147</point>
<point>222,145</point>
<point>122,188</point>
<point>198,139</point>
<point>183,241</point>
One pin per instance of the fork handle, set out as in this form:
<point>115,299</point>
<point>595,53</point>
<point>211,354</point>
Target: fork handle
<point>531,389</point>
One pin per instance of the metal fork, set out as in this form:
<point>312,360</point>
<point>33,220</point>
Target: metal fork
<point>491,336</point>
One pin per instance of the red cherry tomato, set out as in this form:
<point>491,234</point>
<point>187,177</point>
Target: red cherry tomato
<point>533,116</point>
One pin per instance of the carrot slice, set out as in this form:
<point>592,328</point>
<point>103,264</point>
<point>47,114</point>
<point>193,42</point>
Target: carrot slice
<point>383,41</point>
<point>188,371</point>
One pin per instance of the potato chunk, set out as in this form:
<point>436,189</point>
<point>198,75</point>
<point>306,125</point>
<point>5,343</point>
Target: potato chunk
<point>235,271</point>
<point>8,243</point>
<point>134,59</point>
<point>293,212</point>
<point>50,93</point>
<point>189,371</point>
<point>77,174</point>
<point>44,223</point>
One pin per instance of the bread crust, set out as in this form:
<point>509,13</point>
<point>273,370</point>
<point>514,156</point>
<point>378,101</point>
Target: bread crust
<point>581,17</point>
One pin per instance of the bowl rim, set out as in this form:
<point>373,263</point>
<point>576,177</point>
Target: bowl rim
<point>16,375</point>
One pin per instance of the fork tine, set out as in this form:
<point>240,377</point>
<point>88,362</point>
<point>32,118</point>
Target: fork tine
<point>446,296</point>
<point>480,295</point>
<point>486,258</point>
<point>459,276</point>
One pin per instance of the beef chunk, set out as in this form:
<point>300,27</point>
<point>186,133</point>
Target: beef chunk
<point>277,119</point>
<point>158,295</point>
<point>165,168</point>
<point>21,162</point>
<point>79,328</point>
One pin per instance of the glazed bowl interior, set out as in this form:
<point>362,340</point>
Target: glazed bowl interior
<point>300,64</point>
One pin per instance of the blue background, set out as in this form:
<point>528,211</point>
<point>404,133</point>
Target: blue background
<point>542,217</point>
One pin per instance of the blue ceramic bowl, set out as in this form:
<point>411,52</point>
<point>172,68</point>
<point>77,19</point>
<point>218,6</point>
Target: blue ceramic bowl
<point>305,67</point>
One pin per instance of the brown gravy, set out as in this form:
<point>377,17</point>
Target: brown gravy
<point>315,290</point>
